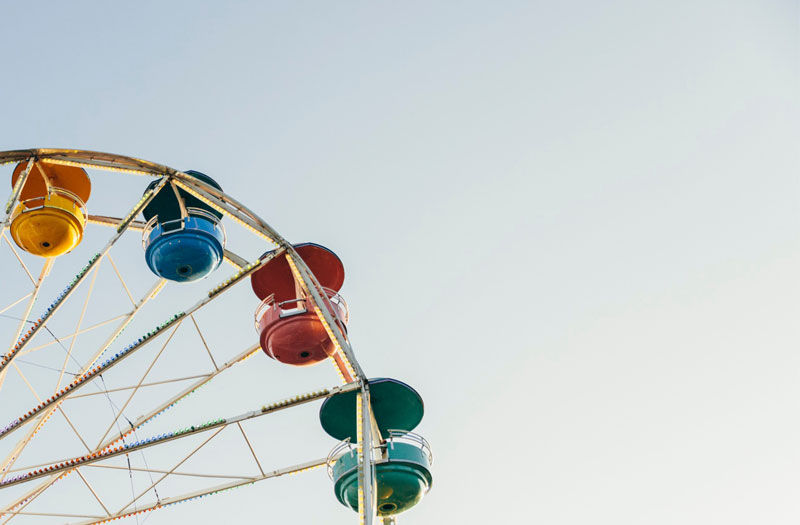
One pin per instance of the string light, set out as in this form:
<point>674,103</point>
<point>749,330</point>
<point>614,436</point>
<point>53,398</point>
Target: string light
<point>235,277</point>
<point>105,167</point>
<point>294,400</point>
<point>137,208</point>
<point>338,369</point>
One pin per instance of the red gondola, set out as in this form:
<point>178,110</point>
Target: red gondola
<point>289,328</point>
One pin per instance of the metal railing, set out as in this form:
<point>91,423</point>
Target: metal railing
<point>410,438</point>
<point>45,202</point>
<point>337,300</point>
<point>177,225</point>
<point>392,437</point>
<point>334,297</point>
<point>345,447</point>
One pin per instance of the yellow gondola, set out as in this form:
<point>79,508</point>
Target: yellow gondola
<point>51,215</point>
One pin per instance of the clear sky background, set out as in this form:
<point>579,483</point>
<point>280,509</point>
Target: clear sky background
<point>572,226</point>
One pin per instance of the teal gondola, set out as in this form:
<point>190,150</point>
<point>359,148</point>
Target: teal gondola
<point>402,459</point>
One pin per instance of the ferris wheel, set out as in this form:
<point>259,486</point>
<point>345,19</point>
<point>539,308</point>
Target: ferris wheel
<point>96,310</point>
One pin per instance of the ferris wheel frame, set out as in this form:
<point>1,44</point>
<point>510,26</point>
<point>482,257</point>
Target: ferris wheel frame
<point>351,373</point>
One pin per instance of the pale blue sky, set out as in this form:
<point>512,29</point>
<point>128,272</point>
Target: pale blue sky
<point>572,226</point>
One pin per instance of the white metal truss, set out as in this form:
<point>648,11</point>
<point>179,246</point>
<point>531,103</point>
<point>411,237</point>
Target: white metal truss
<point>34,418</point>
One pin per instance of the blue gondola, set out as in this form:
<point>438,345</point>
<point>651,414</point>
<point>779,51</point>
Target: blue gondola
<point>182,243</point>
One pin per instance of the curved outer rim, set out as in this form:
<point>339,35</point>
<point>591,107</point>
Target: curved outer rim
<point>110,161</point>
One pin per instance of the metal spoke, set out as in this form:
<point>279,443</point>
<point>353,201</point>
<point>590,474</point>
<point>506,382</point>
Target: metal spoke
<point>69,422</point>
<point>143,385</point>
<point>15,345</point>
<point>19,259</point>
<point>73,334</point>
<point>165,502</point>
<point>205,344</point>
<point>181,462</point>
<point>250,446</point>
<point>121,280</point>
<point>102,220</point>
<point>139,384</point>
<point>55,515</point>
<point>78,326</point>
<point>89,486</point>
<point>15,303</point>
<point>158,471</point>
